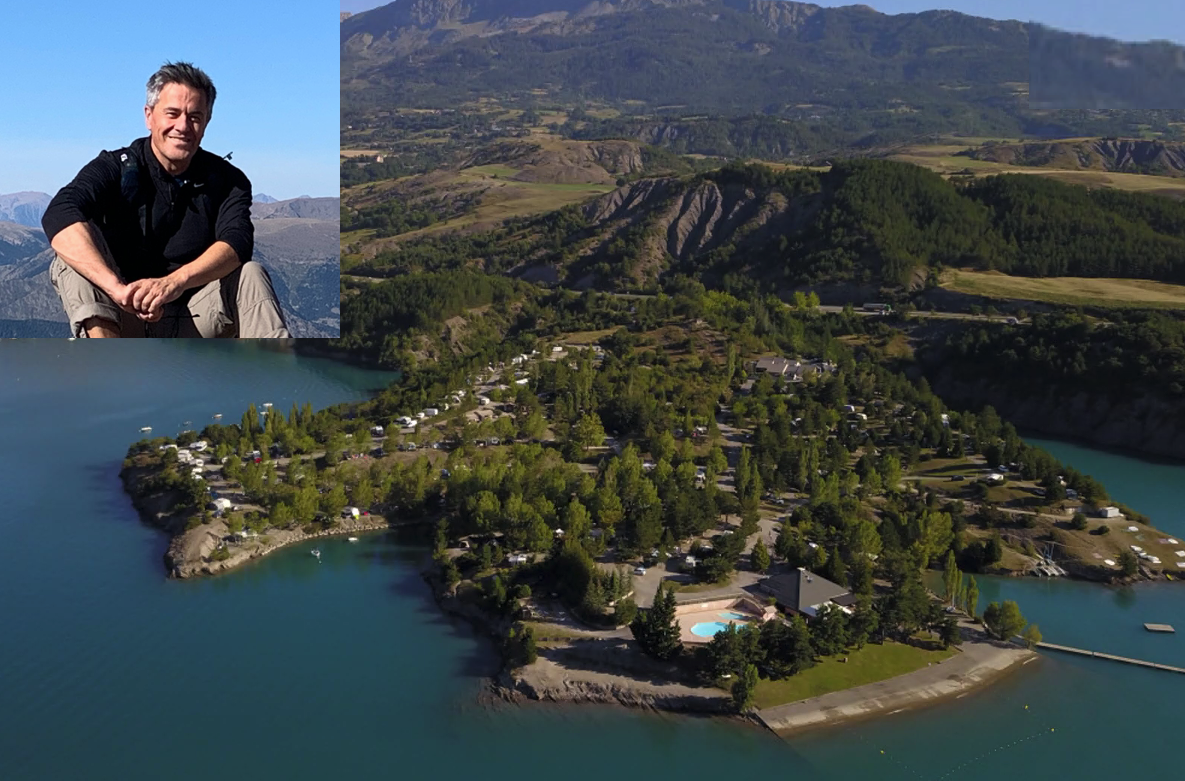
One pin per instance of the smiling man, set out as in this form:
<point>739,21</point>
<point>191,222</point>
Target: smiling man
<point>156,239</point>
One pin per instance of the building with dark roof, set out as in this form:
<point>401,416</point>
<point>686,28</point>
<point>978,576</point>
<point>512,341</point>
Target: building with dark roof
<point>802,591</point>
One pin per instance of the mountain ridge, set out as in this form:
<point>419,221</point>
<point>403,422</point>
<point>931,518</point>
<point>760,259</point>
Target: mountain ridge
<point>860,75</point>
<point>1165,158</point>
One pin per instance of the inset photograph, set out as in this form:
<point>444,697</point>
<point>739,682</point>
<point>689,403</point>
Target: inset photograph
<point>185,188</point>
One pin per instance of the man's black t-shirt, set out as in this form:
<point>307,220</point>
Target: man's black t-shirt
<point>211,202</point>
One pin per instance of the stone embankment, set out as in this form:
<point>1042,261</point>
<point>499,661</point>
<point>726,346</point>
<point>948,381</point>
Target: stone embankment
<point>597,667</point>
<point>606,672</point>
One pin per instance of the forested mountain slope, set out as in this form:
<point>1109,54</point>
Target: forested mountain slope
<point>870,221</point>
<point>1120,383</point>
<point>771,77</point>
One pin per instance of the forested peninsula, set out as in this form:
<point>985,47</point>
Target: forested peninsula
<point>589,488</point>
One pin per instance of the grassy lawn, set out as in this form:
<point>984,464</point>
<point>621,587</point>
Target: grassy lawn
<point>870,664</point>
<point>945,467</point>
<point>550,633</point>
<point>1068,290</point>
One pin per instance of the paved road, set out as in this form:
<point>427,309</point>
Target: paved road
<point>934,315</point>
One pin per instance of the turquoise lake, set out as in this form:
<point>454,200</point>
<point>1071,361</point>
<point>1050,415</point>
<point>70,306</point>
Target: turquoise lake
<point>295,669</point>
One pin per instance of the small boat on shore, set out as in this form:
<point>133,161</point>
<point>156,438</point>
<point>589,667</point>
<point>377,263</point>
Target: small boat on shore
<point>316,554</point>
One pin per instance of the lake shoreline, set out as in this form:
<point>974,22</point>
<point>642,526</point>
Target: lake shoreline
<point>606,668</point>
<point>980,662</point>
<point>189,552</point>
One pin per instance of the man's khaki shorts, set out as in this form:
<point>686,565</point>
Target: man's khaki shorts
<point>242,304</point>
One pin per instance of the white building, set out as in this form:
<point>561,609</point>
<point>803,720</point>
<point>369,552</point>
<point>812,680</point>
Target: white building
<point>1110,512</point>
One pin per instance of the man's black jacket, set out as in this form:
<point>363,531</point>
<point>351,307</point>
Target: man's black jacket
<point>182,221</point>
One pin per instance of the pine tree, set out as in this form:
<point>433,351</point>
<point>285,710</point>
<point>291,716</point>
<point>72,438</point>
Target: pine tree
<point>948,577</point>
<point>834,569</point>
<point>744,689</point>
<point>657,631</point>
<point>760,557</point>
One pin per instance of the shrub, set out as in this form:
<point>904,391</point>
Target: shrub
<point>1079,522</point>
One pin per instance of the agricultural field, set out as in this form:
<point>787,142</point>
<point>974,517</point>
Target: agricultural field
<point>942,158</point>
<point>1074,291</point>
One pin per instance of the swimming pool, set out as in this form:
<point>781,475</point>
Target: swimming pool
<point>711,628</point>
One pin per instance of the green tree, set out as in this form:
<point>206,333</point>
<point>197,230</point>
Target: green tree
<point>1003,620</point>
<point>588,432</point>
<point>1032,636</point>
<point>363,493</point>
<point>972,603</point>
<point>891,472</point>
<point>333,500</point>
<point>950,577</point>
<point>993,549</point>
<point>624,611</point>
<point>530,653</point>
<point>745,688</point>
<point>725,656</point>
<point>948,632</point>
<point>304,504</point>
<point>1078,522</point>
<point>1128,563</point>
<point>657,630</point>
<point>760,557</point>
<point>280,516</point>
<point>833,569</point>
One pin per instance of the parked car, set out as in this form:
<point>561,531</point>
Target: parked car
<point>639,570</point>
<point>957,478</point>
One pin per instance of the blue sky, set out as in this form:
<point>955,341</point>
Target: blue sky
<point>1132,20</point>
<point>74,73</point>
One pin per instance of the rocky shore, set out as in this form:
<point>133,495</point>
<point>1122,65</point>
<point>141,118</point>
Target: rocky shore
<point>190,551</point>
<point>604,667</point>
<point>599,667</point>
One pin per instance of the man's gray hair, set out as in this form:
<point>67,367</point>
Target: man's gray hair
<point>181,73</point>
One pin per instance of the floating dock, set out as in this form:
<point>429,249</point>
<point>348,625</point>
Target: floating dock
<point>1099,655</point>
<point>1159,628</point>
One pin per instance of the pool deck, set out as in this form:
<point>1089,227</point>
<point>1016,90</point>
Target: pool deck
<point>690,619</point>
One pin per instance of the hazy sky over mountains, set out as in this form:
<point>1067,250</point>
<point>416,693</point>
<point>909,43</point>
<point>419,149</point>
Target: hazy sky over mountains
<point>1135,20</point>
<point>74,76</point>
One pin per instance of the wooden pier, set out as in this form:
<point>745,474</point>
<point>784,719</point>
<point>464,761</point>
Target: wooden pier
<point>1100,655</point>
